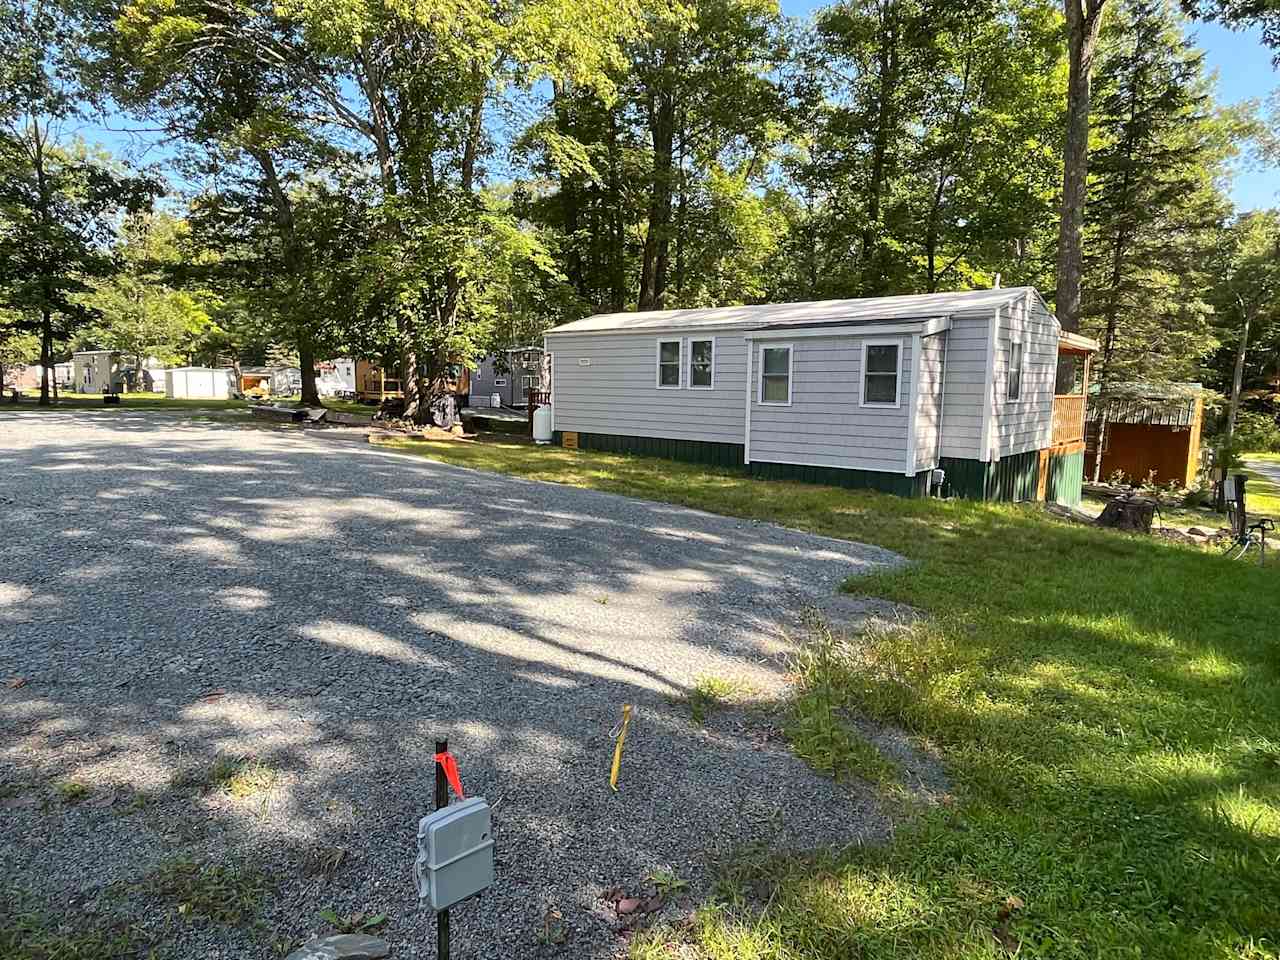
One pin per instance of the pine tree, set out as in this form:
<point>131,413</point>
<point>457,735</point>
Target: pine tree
<point>1155,199</point>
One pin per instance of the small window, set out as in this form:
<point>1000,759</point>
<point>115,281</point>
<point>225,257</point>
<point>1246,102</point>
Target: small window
<point>526,384</point>
<point>1015,371</point>
<point>669,363</point>
<point>880,363</point>
<point>702,362</point>
<point>499,381</point>
<point>775,375</point>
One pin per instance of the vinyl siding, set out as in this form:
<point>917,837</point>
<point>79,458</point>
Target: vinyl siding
<point>617,392</point>
<point>1026,423</point>
<point>965,394</point>
<point>824,425</point>
<point>929,406</point>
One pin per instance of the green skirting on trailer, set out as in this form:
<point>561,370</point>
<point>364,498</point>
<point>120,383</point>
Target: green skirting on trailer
<point>731,454</point>
<point>688,451</point>
<point>1066,478</point>
<point>1012,478</point>
<point>896,483</point>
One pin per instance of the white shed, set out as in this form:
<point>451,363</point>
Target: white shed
<point>200,383</point>
<point>881,392</point>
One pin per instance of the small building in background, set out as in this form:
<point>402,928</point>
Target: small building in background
<point>510,375</point>
<point>96,371</point>
<point>264,382</point>
<point>200,383</point>
<point>336,378</point>
<point>1145,430</point>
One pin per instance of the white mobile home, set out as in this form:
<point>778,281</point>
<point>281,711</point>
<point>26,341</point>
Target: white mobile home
<point>881,393</point>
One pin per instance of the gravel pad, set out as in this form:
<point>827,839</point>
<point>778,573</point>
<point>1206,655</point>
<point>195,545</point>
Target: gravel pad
<point>174,592</point>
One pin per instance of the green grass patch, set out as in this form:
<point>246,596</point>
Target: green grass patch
<point>1108,707</point>
<point>818,727</point>
<point>69,791</point>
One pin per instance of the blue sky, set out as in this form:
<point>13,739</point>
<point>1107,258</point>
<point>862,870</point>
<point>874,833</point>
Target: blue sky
<point>1242,65</point>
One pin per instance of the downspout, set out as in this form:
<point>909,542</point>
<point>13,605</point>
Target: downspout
<point>746,436</point>
<point>942,398</point>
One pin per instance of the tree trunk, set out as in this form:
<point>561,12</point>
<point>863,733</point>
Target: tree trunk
<point>886,87</point>
<point>46,354</point>
<point>307,363</point>
<point>617,265</point>
<point>1083,25</point>
<point>1237,378</point>
<point>657,240</point>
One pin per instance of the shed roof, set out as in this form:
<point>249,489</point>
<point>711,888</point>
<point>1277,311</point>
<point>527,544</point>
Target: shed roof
<point>911,307</point>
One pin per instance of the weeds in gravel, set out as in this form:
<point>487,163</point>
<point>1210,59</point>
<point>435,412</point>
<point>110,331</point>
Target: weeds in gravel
<point>666,882</point>
<point>818,727</point>
<point>236,777</point>
<point>27,933</point>
<point>222,894</point>
<point>69,791</point>
<point>355,923</point>
<point>709,693</point>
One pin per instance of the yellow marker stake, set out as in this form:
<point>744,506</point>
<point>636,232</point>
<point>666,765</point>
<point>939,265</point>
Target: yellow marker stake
<point>617,751</point>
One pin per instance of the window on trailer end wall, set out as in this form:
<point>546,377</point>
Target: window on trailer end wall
<point>880,378</point>
<point>1015,370</point>
<point>775,375</point>
<point>668,363</point>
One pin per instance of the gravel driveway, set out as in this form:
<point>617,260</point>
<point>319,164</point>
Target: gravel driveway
<point>177,591</point>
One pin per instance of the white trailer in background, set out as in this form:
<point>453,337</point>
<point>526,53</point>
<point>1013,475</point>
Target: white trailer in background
<point>336,378</point>
<point>200,383</point>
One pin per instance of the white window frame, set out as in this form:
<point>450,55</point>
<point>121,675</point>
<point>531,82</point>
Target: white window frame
<point>1019,346</point>
<point>526,383</point>
<point>499,381</point>
<point>791,371</point>
<point>862,372</point>
<point>657,372</point>
<point>689,364</point>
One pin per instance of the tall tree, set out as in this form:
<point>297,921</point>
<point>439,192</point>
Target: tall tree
<point>1156,198</point>
<point>59,201</point>
<point>141,313</point>
<point>221,80</point>
<point>941,176</point>
<point>1246,296</point>
<point>1084,25</point>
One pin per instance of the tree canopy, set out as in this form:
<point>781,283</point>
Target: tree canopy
<point>424,184</point>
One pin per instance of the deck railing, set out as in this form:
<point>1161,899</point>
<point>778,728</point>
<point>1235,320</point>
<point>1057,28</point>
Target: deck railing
<point>1068,418</point>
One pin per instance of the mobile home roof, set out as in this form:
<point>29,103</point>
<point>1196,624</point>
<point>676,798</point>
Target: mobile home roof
<point>766,316</point>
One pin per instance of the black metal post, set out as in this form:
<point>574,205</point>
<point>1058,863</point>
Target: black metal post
<point>442,801</point>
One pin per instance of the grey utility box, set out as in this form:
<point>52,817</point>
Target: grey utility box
<point>455,853</point>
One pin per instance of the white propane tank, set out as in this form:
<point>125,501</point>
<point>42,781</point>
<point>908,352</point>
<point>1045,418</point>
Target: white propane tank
<point>542,424</point>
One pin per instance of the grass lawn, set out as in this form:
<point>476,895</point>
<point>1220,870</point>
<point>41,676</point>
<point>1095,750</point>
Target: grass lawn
<point>1108,708</point>
<point>1263,494</point>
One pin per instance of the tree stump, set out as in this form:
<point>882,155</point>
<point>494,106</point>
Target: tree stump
<point>1133,514</point>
